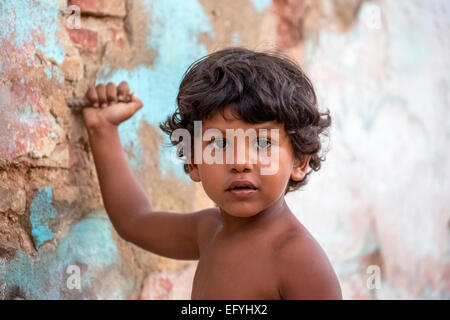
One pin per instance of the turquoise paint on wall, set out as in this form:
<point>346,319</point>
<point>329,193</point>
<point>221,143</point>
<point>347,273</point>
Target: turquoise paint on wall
<point>94,229</point>
<point>41,211</point>
<point>235,39</point>
<point>87,243</point>
<point>53,72</point>
<point>174,33</point>
<point>261,5</point>
<point>20,18</point>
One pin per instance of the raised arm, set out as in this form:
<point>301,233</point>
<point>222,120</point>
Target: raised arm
<point>168,234</point>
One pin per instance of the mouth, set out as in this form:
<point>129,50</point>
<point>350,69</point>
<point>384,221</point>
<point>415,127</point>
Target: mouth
<point>242,192</point>
<point>242,188</point>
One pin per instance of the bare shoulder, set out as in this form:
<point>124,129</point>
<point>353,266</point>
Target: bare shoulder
<point>208,223</point>
<point>303,268</point>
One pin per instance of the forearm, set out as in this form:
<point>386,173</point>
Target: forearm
<point>123,197</point>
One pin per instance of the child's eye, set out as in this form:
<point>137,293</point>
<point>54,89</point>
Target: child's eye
<point>263,143</point>
<point>219,143</point>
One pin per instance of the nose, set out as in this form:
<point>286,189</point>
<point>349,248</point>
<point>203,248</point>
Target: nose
<point>243,159</point>
<point>241,167</point>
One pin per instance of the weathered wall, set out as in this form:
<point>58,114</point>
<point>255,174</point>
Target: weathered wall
<point>381,199</point>
<point>381,192</point>
<point>51,209</point>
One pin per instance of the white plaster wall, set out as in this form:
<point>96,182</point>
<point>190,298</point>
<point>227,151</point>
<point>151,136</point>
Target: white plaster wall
<point>382,196</point>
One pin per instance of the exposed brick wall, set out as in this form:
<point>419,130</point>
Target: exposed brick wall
<point>51,215</point>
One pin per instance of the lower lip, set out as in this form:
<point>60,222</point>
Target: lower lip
<point>243,193</point>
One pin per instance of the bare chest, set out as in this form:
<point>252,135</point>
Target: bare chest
<point>235,271</point>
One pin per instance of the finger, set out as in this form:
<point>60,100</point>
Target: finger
<point>123,90</point>
<point>111,93</point>
<point>101,93</point>
<point>123,112</point>
<point>91,95</point>
<point>135,100</point>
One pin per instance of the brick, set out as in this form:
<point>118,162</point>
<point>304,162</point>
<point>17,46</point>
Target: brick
<point>58,105</point>
<point>118,37</point>
<point>84,38</point>
<point>12,199</point>
<point>101,8</point>
<point>168,285</point>
<point>72,68</point>
<point>76,158</point>
<point>68,194</point>
<point>289,25</point>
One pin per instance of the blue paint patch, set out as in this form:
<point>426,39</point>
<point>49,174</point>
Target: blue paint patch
<point>33,279</point>
<point>21,18</point>
<point>90,246</point>
<point>27,116</point>
<point>174,33</point>
<point>40,211</point>
<point>93,235</point>
<point>54,73</point>
<point>31,119</point>
<point>235,39</point>
<point>48,72</point>
<point>261,5</point>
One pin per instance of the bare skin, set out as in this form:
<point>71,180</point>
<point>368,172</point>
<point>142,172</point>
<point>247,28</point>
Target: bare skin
<point>252,248</point>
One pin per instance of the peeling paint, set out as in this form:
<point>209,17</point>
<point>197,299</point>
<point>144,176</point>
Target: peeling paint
<point>174,31</point>
<point>34,22</point>
<point>89,245</point>
<point>382,83</point>
<point>53,72</point>
<point>261,5</point>
<point>41,211</point>
<point>235,39</point>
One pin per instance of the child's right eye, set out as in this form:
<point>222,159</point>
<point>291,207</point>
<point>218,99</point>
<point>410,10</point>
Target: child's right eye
<point>220,143</point>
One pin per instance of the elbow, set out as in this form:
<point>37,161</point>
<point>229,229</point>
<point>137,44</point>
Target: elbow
<point>122,228</point>
<point>123,231</point>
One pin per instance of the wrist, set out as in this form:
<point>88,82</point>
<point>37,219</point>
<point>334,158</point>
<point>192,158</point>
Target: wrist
<point>102,130</point>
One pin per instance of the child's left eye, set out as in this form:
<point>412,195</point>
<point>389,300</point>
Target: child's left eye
<point>219,143</point>
<point>263,143</point>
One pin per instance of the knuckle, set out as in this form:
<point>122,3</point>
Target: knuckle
<point>88,93</point>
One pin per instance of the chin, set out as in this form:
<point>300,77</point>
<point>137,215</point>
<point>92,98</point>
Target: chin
<point>241,212</point>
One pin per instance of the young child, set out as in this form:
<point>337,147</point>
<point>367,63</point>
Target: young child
<point>251,245</point>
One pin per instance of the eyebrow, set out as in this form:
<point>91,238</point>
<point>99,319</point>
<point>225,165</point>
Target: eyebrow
<point>257,128</point>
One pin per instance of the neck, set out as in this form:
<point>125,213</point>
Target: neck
<point>232,224</point>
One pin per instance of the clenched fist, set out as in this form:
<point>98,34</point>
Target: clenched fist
<point>110,105</point>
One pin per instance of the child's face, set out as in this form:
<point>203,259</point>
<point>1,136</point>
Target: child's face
<point>216,178</point>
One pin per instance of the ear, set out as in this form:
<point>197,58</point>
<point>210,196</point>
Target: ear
<point>300,168</point>
<point>193,172</point>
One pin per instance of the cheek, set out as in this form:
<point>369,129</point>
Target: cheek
<point>211,176</point>
<point>281,176</point>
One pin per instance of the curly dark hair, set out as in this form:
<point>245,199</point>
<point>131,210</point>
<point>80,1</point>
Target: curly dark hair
<point>259,87</point>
